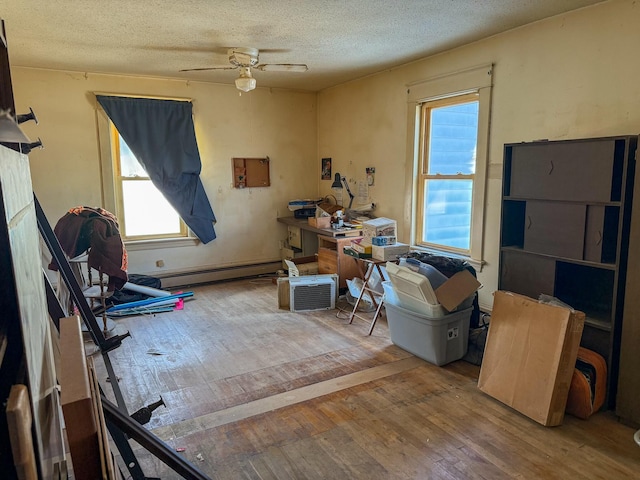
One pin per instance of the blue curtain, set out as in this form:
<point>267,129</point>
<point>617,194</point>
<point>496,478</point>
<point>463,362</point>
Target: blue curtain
<point>160,134</point>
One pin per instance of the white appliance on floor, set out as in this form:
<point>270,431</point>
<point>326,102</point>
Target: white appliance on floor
<point>312,292</point>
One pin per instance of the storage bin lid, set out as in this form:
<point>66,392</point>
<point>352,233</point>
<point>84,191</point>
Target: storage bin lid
<point>413,284</point>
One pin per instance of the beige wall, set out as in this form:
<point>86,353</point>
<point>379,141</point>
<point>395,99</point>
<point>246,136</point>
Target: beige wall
<point>278,124</point>
<point>571,76</point>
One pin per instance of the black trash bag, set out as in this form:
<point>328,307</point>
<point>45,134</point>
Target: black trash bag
<point>449,267</point>
<point>126,296</point>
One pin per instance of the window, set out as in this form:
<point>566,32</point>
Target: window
<point>161,134</point>
<point>142,210</point>
<point>449,133</point>
<point>448,121</point>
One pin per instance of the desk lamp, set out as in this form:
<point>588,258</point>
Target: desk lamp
<point>337,185</point>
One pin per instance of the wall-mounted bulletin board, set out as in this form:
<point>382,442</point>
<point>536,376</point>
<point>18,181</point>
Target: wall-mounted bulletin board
<point>251,172</point>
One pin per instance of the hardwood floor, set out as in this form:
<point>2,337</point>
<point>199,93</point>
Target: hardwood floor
<point>253,392</point>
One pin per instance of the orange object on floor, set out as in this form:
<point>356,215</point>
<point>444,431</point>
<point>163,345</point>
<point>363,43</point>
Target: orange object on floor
<point>588,384</point>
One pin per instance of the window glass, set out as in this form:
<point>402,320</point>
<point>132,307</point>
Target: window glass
<point>129,165</point>
<point>146,211</point>
<point>447,216</point>
<point>142,210</point>
<point>453,139</point>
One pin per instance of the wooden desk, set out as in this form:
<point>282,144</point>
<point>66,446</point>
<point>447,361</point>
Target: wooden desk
<point>303,224</point>
<point>332,259</point>
<point>329,244</point>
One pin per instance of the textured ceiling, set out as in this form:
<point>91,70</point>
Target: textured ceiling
<point>339,40</point>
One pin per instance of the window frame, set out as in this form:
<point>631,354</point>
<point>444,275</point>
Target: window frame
<point>477,80</point>
<point>423,168</point>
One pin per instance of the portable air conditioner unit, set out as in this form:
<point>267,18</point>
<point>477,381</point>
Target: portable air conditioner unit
<point>312,292</point>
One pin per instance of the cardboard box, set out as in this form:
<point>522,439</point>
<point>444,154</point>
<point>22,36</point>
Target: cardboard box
<point>302,266</point>
<point>384,240</point>
<point>361,245</point>
<point>389,252</point>
<point>530,355</point>
<point>320,222</point>
<point>379,227</point>
<point>457,289</point>
<point>415,291</point>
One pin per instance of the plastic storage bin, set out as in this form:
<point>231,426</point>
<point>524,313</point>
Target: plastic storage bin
<point>437,340</point>
<point>416,293</point>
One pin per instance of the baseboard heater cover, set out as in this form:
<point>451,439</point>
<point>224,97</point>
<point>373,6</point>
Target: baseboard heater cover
<point>312,292</point>
<point>179,279</point>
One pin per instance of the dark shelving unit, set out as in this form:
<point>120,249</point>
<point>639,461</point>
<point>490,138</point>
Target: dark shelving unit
<point>566,214</point>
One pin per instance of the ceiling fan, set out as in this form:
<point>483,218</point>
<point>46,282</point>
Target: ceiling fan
<point>247,58</point>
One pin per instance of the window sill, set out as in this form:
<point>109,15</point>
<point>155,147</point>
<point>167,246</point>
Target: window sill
<point>476,264</point>
<point>161,243</point>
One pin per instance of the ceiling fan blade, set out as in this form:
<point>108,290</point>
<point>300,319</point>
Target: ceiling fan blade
<point>282,67</point>
<point>207,68</point>
<point>222,50</point>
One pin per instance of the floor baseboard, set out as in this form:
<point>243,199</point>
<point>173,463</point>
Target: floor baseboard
<point>180,279</point>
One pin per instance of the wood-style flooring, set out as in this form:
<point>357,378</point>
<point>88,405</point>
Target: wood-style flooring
<point>254,392</point>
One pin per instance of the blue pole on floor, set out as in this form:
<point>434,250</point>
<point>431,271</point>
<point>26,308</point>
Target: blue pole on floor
<point>149,301</point>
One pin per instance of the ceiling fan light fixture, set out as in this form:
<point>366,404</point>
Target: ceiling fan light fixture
<point>245,82</point>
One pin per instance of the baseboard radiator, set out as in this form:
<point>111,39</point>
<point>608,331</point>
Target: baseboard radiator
<point>181,279</point>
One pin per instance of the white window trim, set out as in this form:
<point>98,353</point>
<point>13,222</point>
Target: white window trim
<point>108,191</point>
<point>476,79</point>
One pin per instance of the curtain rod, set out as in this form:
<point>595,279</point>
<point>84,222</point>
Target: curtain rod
<point>152,97</point>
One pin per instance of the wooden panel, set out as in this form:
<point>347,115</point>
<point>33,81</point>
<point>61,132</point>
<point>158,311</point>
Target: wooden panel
<point>347,265</point>
<point>628,397</point>
<point>327,261</point>
<point>28,292</point>
<point>527,274</point>
<point>580,171</point>
<point>295,237</point>
<point>6,89</point>
<point>19,420</point>
<point>327,242</point>
<point>332,259</point>
<point>594,233</point>
<point>77,401</point>
<point>107,466</point>
<point>555,229</point>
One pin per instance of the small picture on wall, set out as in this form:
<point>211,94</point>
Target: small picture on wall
<point>326,169</point>
<point>371,176</point>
